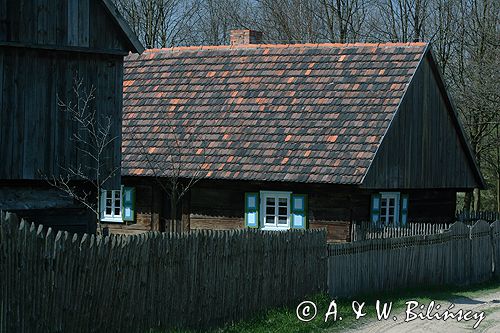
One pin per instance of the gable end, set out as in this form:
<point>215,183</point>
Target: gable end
<point>134,42</point>
<point>425,146</point>
<point>88,26</point>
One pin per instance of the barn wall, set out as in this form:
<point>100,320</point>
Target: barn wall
<point>60,23</point>
<point>422,148</point>
<point>35,134</point>
<point>40,203</point>
<point>45,45</point>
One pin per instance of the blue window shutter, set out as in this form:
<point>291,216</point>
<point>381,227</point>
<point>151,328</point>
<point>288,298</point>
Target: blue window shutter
<point>128,204</point>
<point>252,210</point>
<point>299,211</point>
<point>404,209</point>
<point>375,208</point>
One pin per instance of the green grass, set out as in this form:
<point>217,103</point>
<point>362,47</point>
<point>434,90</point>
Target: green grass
<point>284,320</point>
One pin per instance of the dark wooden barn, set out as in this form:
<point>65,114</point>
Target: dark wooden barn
<point>45,45</point>
<point>293,136</point>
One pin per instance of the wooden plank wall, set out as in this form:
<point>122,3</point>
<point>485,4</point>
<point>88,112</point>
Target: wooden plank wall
<point>429,205</point>
<point>84,24</point>
<point>72,219</point>
<point>38,202</point>
<point>71,283</point>
<point>219,205</point>
<point>149,207</point>
<point>421,148</point>
<point>459,256</point>
<point>35,134</point>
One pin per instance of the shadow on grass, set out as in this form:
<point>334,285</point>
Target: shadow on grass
<point>284,319</point>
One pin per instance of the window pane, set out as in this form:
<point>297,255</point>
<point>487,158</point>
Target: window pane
<point>391,201</point>
<point>108,210</point>
<point>270,206</point>
<point>109,194</point>
<point>117,211</point>
<point>282,210</point>
<point>283,202</point>
<point>282,219</point>
<point>270,219</point>
<point>383,211</point>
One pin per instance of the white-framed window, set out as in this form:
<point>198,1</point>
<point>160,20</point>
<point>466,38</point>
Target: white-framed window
<point>389,208</point>
<point>275,210</point>
<point>111,206</point>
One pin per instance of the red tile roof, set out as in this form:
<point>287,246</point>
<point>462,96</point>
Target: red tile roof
<point>303,113</point>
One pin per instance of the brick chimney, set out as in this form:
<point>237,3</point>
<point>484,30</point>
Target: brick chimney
<point>245,36</point>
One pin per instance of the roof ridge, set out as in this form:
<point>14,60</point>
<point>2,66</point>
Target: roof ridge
<point>264,46</point>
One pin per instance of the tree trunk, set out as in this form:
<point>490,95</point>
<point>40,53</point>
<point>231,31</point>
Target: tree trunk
<point>477,199</point>
<point>98,230</point>
<point>173,212</point>
<point>498,192</point>
<point>467,201</point>
<point>498,168</point>
<point>186,211</point>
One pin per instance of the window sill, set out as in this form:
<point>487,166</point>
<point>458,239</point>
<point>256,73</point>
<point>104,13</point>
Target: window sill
<point>112,220</point>
<point>275,228</point>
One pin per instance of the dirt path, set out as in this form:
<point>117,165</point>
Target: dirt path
<point>489,303</point>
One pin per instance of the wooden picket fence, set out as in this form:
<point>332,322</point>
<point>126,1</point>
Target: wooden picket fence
<point>366,230</point>
<point>473,216</point>
<point>84,283</point>
<point>461,255</point>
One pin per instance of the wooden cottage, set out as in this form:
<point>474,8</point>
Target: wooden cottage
<point>293,136</point>
<point>44,47</point>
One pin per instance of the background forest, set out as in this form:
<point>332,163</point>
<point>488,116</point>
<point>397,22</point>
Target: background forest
<point>465,37</point>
